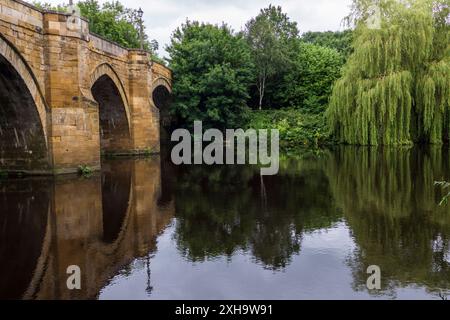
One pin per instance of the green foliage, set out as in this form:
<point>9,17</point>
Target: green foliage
<point>85,170</point>
<point>395,89</point>
<point>49,6</point>
<point>296,128</point>
<point>159,60</point>
<point>226,209</point>
<point>338,40</point>
<point>389,201</point>
<point>272,39</point>
<point>308,83</point>
<point>444,185</point>
<point>149,152</point>
<point>111,20</point>
<point>212,74</point>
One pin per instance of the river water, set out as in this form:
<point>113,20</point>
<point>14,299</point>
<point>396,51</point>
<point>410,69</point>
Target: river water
<point>145,229</point>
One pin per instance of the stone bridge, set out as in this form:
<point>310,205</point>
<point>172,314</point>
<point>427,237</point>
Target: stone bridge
<point>68,96</point>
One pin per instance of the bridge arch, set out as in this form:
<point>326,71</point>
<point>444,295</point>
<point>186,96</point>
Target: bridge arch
<point>161,92</point>
<point>162,82</point>
<point>162,97</point>
<point>114,111</point>
<point>24,114</point>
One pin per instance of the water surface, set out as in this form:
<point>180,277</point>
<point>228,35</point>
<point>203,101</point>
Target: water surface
<point>145,229</point>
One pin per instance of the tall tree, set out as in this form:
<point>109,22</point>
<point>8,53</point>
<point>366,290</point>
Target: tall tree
<point>212,72</point>
<point>271,37</point>
<point>396,85</point>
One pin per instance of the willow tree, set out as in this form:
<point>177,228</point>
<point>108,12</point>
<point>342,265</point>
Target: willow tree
<point>395,88</point>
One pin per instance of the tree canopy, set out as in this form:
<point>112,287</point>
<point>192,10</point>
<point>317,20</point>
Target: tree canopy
<point>308,84</point>
<point>338,40</point>
<point>272,38</point>
<point>111,20</point>
<point>212,72</point>
<point>395,87</point>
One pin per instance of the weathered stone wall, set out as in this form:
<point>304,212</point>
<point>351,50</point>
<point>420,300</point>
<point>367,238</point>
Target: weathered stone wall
<point>60,61</point>
<point>161,72</point>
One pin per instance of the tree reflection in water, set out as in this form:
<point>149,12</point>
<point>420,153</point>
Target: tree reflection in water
<point>390,201</point>
<point>386,196</point>
<point>109,224</point>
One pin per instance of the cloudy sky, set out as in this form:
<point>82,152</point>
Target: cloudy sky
<point>163,16</point>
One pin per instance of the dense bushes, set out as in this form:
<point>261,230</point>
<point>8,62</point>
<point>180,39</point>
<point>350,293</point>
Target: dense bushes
<point>297,129</point>
<point>220,75</point>
<point>308,84</point>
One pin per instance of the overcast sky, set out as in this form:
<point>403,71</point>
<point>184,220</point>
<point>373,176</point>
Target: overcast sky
<point>164,16</point>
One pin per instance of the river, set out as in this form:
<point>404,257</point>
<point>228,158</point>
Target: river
<point>146,229</point>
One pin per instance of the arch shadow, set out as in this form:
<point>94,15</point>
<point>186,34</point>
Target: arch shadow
<point>114,112</point>
<point>116,198</point>
<point>24,115</point>
<point>162,98</point>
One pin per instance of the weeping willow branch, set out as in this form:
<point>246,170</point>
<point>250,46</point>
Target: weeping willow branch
<point>444,185</point>
<point>395,88</point>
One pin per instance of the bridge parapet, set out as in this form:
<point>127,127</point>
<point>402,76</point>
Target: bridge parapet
<point>107,46</point>
<point>161,70</point>
<point>21,13</point>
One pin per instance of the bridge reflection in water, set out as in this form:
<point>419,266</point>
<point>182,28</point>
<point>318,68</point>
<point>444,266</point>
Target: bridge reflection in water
<point>100,224</point>
<point>225,233</point>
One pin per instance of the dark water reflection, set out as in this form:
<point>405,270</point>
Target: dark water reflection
<point>100,224</point>
<point>145,229</point>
